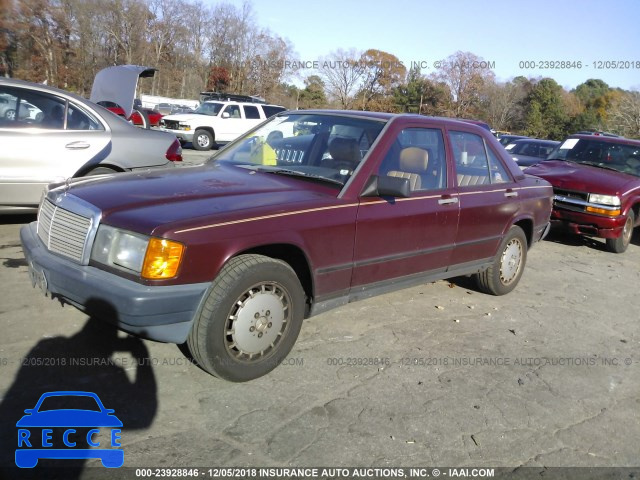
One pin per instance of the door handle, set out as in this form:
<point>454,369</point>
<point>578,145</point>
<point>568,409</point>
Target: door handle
<point>447,200</point>
<point>510,193</point>
<point>77,145</point>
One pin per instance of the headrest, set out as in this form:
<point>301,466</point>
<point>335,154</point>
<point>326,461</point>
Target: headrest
<point>345,150</point>
<point>414,160</point>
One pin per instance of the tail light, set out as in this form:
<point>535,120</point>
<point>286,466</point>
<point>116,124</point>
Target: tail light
<point>174,153</point>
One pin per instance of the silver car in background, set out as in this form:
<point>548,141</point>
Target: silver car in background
<point>73,137</point>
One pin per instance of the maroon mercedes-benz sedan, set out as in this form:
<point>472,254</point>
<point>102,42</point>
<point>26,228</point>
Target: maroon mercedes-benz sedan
<point>596,181</point>
<point>308,211</point>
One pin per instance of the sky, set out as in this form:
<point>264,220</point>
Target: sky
<point>500,31</point>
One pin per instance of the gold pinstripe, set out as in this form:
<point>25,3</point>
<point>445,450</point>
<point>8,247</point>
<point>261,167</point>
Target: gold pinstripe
<point>264,217</point>
<point>333,207</point>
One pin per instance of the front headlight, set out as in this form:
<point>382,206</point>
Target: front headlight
<point>184,126</point>
<point>153,258</point>
<point>119,248</point>
<point>604,199</point>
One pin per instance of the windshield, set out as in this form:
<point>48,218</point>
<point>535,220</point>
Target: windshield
<point>209,108</point>
<point>614,156</point>
<point>531,149</point>
<point>317,146</point>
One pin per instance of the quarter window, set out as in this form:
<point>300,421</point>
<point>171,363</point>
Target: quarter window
<point>251,112</point>
<point>270,111</point>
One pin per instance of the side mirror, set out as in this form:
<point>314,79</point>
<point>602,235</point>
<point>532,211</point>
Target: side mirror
<point>225,114</point>
<point>384,186</point>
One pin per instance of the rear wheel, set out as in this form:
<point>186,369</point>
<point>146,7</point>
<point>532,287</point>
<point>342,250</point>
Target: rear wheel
<point>620,244</point>
<point>10,114</point>
<point>250,319</point>
<point>507,267</point>
<point>202,140</point>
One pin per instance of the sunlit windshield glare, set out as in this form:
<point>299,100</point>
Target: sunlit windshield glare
<point>318,146</point>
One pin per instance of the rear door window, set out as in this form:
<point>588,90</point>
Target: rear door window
<point>475,162</point>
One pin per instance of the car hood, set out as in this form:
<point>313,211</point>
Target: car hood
<point>69,418</point>
<point>185,117</point>
<point>143,202</point>
<point>583,178</point>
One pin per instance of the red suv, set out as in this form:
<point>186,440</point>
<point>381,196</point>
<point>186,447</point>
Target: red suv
<point>596,184</point>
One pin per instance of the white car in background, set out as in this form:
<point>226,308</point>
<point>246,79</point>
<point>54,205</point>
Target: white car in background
<point>218,121</point>
<point>66,136</point>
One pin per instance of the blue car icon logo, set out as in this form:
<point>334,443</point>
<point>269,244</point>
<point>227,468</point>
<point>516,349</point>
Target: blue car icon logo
<point>69,425</point>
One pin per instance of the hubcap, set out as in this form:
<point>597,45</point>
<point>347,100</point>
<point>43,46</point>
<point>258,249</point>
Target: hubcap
<point>203,140</point>
<point>510,261</point>
<point>626,233</point>
<point>257,321</point>
<point>11,115</point>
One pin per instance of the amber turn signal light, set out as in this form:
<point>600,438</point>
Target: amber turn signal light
<point>162,259</point>
<point>602,211</point>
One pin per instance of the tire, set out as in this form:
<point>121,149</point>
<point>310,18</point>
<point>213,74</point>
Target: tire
<point>202,140</point>
<point>507,267</point>
<point>100,171</point>
<point>250,319</point>
<point>620,244</point>
<point>10,114</point>
<point>146,123</point>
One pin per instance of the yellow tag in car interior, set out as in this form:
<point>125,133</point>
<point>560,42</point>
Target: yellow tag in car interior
<point>263,154</point>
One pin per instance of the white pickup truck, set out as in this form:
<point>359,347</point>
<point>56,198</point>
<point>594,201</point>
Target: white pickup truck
<point>217,122</point>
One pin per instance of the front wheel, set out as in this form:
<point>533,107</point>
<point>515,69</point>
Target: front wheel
<point>202,140</point>
<point>250,319</point>
<point>504,273</point>
<point>620,244</point>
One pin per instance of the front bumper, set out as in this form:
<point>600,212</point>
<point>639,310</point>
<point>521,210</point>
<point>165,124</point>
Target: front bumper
<point>162,313</point>
<point>181,134</point>
<point>588,223</point>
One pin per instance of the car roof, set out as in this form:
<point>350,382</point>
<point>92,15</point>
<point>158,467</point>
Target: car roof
<point>605,138</point>
<point>233,102</point>
<point>45,88</point>
<point>451,122</point>
<point>536,140</point>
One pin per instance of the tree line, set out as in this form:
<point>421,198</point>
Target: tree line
<point>223,47</point>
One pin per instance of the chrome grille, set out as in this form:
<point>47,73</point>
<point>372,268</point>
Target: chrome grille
<point>571,194</point>
<point>170,124</point>
<point>62,231</point>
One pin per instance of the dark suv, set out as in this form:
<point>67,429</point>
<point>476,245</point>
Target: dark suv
<point>596,182</point>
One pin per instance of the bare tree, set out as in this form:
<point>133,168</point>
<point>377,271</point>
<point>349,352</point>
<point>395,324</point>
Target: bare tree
<point>8,37</point>
<point>382,72</point>
<point>465,74</point>
<point>126,23</point>
<point>502,103</point>
<point>342,73</point>
<point>624,116</point>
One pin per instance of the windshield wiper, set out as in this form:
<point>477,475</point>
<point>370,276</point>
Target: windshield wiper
<point>599,165</point>
<point>296,173</point>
